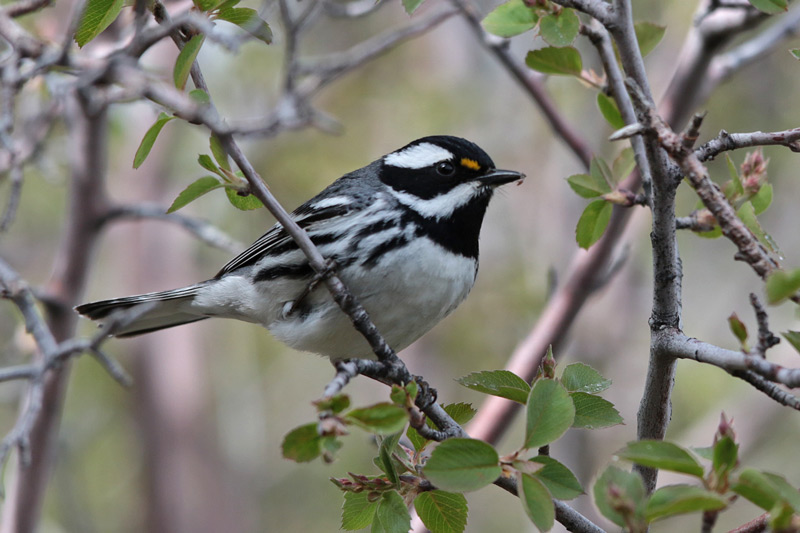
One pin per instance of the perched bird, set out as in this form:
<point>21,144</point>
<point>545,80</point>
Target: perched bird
<point>402,231</point>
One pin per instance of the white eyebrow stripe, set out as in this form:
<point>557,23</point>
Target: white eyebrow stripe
<point>418,156</point>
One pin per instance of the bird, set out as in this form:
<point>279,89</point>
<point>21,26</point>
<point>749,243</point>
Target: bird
<point>401,232</point>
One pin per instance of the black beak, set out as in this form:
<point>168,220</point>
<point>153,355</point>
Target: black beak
<point>497,177</point>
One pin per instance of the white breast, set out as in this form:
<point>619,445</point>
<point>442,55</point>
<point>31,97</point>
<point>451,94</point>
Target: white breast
<point>407,293</point>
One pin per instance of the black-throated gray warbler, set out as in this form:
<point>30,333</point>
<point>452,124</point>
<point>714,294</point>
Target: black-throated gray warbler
<point>402,231</point>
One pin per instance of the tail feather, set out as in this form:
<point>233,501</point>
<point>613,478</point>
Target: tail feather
<point>168,309</point>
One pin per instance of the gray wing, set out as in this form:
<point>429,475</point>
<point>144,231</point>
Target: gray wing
<point>351,191</point>
<point>277,240</point>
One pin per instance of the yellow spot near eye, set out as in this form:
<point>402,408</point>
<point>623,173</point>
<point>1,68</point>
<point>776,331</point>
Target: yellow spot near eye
<point>470,164</point>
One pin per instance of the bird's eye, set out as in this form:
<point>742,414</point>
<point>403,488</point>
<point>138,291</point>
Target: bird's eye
<point>445,168</point>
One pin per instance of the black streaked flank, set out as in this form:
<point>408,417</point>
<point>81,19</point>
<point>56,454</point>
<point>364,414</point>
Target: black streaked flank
<point>295,271</point>
<point>383,248</point>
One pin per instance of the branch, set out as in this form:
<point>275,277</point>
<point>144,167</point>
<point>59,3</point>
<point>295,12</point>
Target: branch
<point>25,7</point>
<point>725,142</point>
<point>599,37</point>
<point>766,339</point>
<point>679,345</point>
<point>596,9</point>
<point>204,231</point>
<point>750,249</point>
<point>714,29</point>
<point>726,65</point>
<point>768,388</point>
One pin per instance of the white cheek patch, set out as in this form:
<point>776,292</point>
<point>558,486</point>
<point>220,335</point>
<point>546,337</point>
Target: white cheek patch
<point>418,156</point>
<point>440,206</point>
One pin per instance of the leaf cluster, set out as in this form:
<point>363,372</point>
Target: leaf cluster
<point>621,497</point>
<point>434,478</point>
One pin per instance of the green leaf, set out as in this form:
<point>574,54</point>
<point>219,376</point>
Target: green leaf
<point>608,107</point>
<point>357,511</point>
<point>705,452</point>
<point>580,377</point>
<point>462,465</point>
<point>200,96</point>
<point>770,7</point>
<point>648,35</point>
<point>392,515</point>
<point>782,284</point>
<point>781,517</point>
<point>736,180</point>
<point>302,444</point>
<point>383,418</point>
<point>793,337</point>
<point>194,191</point>
<point>149,139</point>
<point>600,172</point>
<point>623,164</point>
<point>205,161</point>
<point>762,199</point>
<point>183,65</point>
<point>616,491</point>
<point>587,186</point>
<point>442,512</point>
<point>757,488</point>
<point>550,413</point>
<point>747,214</point>
<point>411,5</point>
<point>725,456</point>
<point>663,455</point>
<point>713,234</point>
<point>795,53</point>
<point>208,5</point>
<point>384,460</point>
<point>739,330</point>
<point>681,499</point>
<point>562,61</point>
<point>537,502</point>
<point>510,18</point>
<point>789,493</point>
<point>593,223</point>
<point>248,20</point>
<point>460,412</point>
<point>501,383</point>
<point>559,480</point>
<point>560,29</point>
<point>593,412</point>
<point>96,17</point>
<point>335,404</point>
<point>220,155</point>
<point>244,203</point>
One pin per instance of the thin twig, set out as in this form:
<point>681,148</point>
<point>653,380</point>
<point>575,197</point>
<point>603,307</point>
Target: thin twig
<point>204,231</point>
<point>725,142</point>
